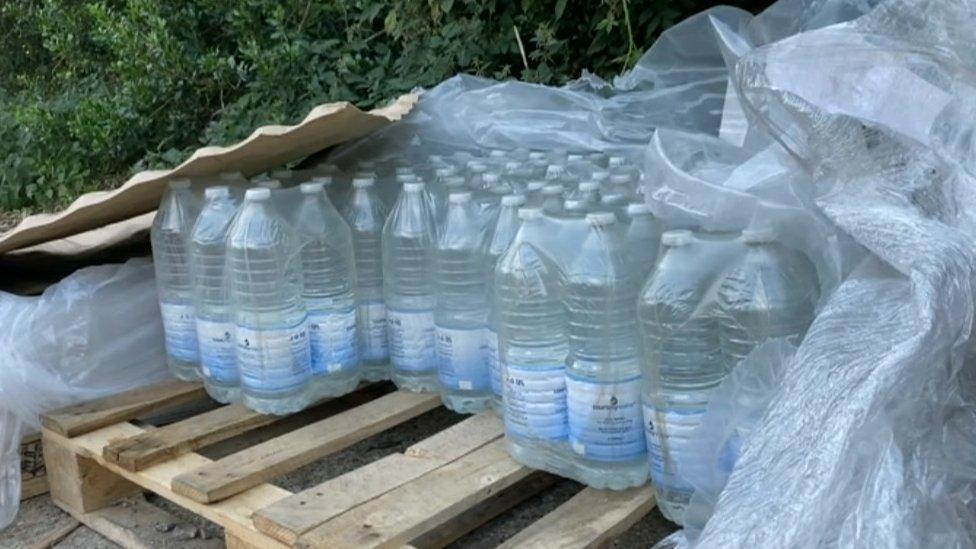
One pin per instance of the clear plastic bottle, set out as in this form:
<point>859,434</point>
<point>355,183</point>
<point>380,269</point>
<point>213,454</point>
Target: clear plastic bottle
<point>170,236</point>
<point>328,290</point>
<point>365,214</point>
<point>409,246</point>
<point>498,243</point>
<point>643,239</point>
<point>621,184</point>
<point>533,193</point>
<point>603,376</point>
<point>533,347</point>
<point>587,191</point>
<point>214,314</point>
<point>461,314</point>
<point>269,315</point>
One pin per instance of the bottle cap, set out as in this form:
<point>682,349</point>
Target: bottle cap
<point>573,204</point>
<point>269,184</point>
<point>638,208</point>
<point>362,182</point>
<point>513,200</point>
<point>551,190</point>
<point>477,166</point>
<point>365,173</point>
<point>511,166</point>
<point>402,170</point>
<point>529,213</point>
<point>258,193</point>
<point>179,184</point>
<point>620,179</point>
<point>676,238</point>
<point>325,180</point>
<point>454,181</point>
<point>445,171</point>
<point>406,177</point>
<point>613,199</point>
<point>599,219</point>
<point>574,157</point>
<point>600,175</point>
<point>312,187</point>
<point>459,197</point>
<point>537,155</point>
<point>413,186</point>
<point>759,235</point>
<point>616,161</point>
<point>589,186</point>
<point>491,178</point>
<point>535,186</point>
<point>220,191</point>
<point>497,153</point>
<point>555,171</point>
<point>435,158</point>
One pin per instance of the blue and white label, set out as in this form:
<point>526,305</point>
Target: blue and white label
<point>605,418</point>
<point>411,340</point>
<point>670,449</point>
<point>462,363</point>
<point>273,360</point>
<point>372,332</point>
<point>494,364</point>
<point>180,326</point>
<point>218,355</point>
<point>535,402</point>
<point>332,341</point>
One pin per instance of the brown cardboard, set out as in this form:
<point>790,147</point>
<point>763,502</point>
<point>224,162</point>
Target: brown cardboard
<point>99,219</point>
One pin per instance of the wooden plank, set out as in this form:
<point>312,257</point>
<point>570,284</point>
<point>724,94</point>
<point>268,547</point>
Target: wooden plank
<point>33,487</point>
<point>88,416</point>
<point>590,519</point>
<point>291,517</point>
<point>251,467</point>
<point>234,513</point>
<point>53,536</point>
<point>422,505</point>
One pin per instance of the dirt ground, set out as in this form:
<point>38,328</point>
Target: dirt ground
<point>170,526</point>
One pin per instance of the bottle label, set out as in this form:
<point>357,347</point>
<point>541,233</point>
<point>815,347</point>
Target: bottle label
<point>218,358</point>
<point>670,450</point>
<point>605,418</point>
<point>462,359</point>
<point>372,330</point>
<point>274,360</point>
<point>332,341</point>
<point>411,340</point>
<point>535,402</point>
<point>494,364</point>
<point>179,323</point>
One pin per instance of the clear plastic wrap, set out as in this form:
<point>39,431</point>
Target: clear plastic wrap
<point>95,333</point>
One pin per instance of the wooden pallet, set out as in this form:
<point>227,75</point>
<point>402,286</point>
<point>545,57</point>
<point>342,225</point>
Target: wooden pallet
<point>431,494</point>
<point>33,476</point>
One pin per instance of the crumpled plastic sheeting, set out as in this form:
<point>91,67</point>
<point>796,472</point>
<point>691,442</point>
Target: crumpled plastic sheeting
<point>95,333</point>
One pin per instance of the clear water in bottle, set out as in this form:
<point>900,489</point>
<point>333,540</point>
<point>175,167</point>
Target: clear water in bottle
<point>365,214</point>
<point>603,375</point>
<point>461,313</point>
<point>409,249</point>
<point>269,314</point>
<point>643,238</point>
<point>328,291</point>
<point>214,314</point>
<point>170,237</point>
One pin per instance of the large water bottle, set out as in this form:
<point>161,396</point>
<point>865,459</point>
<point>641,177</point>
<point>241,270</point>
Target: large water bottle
<point>461,315</point>
<point>214,314</point>
<point>603,376</point>
<point>497,244</point>
<point>409,246</point>
<point>679,324</point>
<point>269,315</point>
<point>365,214</point>
<point>329,282</point>
<point>533,347</point>
<point>643,238</point>
<point>170,236</point>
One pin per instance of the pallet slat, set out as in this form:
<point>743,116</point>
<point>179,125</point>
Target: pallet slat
<point>588,519</point>
<point>253,466</point>
<point>293,516</point>
<point>88,416</point>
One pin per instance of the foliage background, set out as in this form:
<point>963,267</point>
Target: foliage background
<point>92,90</point>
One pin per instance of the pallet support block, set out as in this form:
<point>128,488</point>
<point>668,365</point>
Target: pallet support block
<point>78,484</point>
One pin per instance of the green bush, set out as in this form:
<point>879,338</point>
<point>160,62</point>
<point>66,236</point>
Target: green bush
<point>91,90</point>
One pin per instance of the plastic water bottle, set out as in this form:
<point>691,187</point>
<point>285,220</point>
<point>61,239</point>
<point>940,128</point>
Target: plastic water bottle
<point>497,244</point>
<point>682,357</point>
<point>603,376</point>
<point>269,315</point>
<point>365,214</point>
<point>533,346</point>
<point>329,282</point>
<point>587,191</point>
<point>409,246</point>
<point>214,314</point>
<point>461,314</point>
<point>169,237</point>
<point>643,239</point>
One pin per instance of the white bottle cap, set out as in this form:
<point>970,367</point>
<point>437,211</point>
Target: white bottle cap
<point>759,235</point>
<point>179,184</point>
<point>323,179</point>
<point>497,153</point>
<point>552,190</point>
<point>613,199</point>
<point>459,197</point>
<point>513,200</point>
<point>491,178</point>
<point>599,219</point>
<point>555,170</point>
<point>477,166</point>
<point>220,191</point>
<point>574,157</point>
<point>445,171</point>
<point>454,181</point>
<point>638,209</point>
<point>676,238</point>
<point>258,193</point>
<point>535,186</point>
<point>600,175</point>
<point>589,186</point>
<point>616,161</point>
<point>413,187</point>
<point>404,170</point>
<point>573,204</point>
<point>529,213</point>
<point>313,187</point>
<point>406,177</point>
<point>511,166</point>
<point>269,184</point>
<point>362,182</point>
<point>537,155</point>
<point>619,178</point>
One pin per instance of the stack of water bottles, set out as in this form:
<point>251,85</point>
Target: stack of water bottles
<point>528,282</point>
